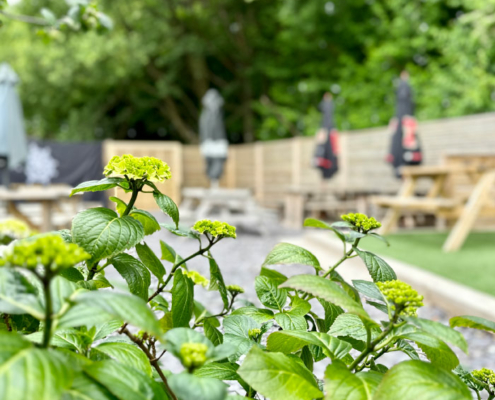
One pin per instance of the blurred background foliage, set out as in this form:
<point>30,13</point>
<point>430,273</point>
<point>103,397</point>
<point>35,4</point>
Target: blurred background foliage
<point>271,60</point>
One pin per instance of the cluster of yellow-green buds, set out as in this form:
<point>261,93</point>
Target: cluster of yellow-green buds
<point>401,296</point>
<point>254,333</point>
<point>149,168</point>
<point>362,221</point>
<point>197,278</point>
<point>48,250</point>
<point>215,228</point>
<point>235,290</point>
<point>193,355</point>
<point>485,375</point>
<point>12,229</point>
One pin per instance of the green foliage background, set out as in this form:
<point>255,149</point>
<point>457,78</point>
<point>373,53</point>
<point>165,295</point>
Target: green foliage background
<point>272,60</point>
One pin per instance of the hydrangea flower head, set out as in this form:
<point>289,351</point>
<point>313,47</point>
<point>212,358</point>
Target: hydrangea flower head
<point>215,228</point>
<point>485,375</point>
<point>361,221</point>
<point>151,168</point>
<point>49,250</point>
<point>193,355</point>
<point>234,289</point>
<point>401,296</point>
<point>254,333</point>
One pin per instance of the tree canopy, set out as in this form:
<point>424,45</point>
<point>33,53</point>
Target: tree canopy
<point>271,60</point>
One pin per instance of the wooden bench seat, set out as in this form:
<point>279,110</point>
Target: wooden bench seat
<point>425,204</point>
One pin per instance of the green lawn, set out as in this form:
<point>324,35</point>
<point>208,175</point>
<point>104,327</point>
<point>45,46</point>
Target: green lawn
<point>473,265</point>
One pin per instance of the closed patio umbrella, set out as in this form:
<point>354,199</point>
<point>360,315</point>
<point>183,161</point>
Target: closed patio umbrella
<point>13,143</point>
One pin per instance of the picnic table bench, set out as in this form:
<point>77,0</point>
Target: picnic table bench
<point>459,192</point>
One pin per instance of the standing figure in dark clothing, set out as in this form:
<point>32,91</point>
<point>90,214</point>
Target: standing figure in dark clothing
<point>405,148</point>
<point>325,157</point>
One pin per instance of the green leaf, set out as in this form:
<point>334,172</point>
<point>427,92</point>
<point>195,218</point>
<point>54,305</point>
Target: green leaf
<point>168,253</point>
<point>278,376</point>
<point>168,206</point>
<point>286,253</point>
<point>414,380</point>
<point>379,237</point>
<point>103,234</point>
<point>260,315</point>
<point>224,371</point>
<point>124,382</point>
<point>379,270</point>
<point>212,333</point>
<point>18,295</point>
<point>236,328</point>
<point>291,341</point>
<point>105,329</point>
<point>85,388</point>
<point>327,290</point>
<point>269,293</point>
<point>175,338</point>
<point>468,321</point>
<point>30,373</point>
<point>441,331</point>
<point>149,222</point>
<point>180,232</point>
<point>352,326</point>
<point>120,205</point>
<point>129,308</point>
<point>369,289</point>
<point>342,384</point>
<point>182,300</point>
<point>217,282</point>
<point>134,272</point>
<point>150,260</point>
<point>188,387</point>
<point>289,321</point>
<point>98,186</point>
<point>315,223</point>
<point>275,276</point>
<point>71,274</point>
<point>71,339</point>
<point>127,354</point>
<point>331,313</point>
<point>436,350</point>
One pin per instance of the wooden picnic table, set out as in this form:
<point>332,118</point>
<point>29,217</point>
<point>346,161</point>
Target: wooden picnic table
<point>442,200</point>
<point>48,196</point>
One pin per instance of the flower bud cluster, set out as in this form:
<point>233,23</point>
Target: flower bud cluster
<point>401,296</point>
<point>254,333</point>
<point>485,375</point>
<point>151,168</point>
<point>362,221</point>
<point>234,289</point>
<point>48,250</point>
<point>197,278</point>
<point>215,228</point>
<point>13,229</point>
<point>193,355</point>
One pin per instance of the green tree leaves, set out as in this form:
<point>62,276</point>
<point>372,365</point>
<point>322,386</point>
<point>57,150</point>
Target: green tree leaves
<point>269,293</point>
<point>150,260</point>
<point>278,376</point>
<point>182,300</point>
<point>103,234</point>
<point>413,380</point>
<point>286,253</point>
<point>168,206</point>
<point>134,272</point>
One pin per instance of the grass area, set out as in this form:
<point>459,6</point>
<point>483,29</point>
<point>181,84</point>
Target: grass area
<point>473,265</point>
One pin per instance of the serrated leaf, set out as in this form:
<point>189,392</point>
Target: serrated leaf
<point>182,300</point>
<point>352,326</point>
<point>269,293</point>
<point>212,333</point>
<point>103,234</point>
<point>275,276</point>
<point>217,282</point>
<point>331,313</point>
<point>86,388</point>
<point>120,205</point>
<point>149,222</point>
<point>369,289</point>
<point>98,186</point>
<point>71,274</point>
<point>127,354</point>
<point>441,331</point>
<point>468,321</point>
<point>236,328</point>
<point>188,387</point>
<point>436,350</point>
<point>379,270</point>
<point>180,232</point>
<point>327,290</point>
<point>379,237</point>
<point>414,380</point>
<point>278,376</point>
<point>260,315</point>
<point>129,308</point>
<point>150,260</point>
<point>134,272</point>
<point>291,322</point>
<point>286,253</point>
<point>168,206</point>
<point>315,223</point>
<point>18,295</point>
<point>224,371</point>
<point>168,252</point>
<point>105,329</point>
<point>342,384</point>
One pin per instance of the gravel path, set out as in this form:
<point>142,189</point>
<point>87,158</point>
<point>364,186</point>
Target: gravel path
<point>240,261</point>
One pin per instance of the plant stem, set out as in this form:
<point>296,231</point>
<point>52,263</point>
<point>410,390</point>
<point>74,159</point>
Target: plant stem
<point>345,257</point>
<point>153,361</point>
<point>134,196</point>
<point>48,310</point>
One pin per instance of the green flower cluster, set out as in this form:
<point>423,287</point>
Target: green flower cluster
<point>402,296</point>
<point>193,355</point>
<point>12,229</point>
<point>254,333</point>
<point>197,278</point>
<point>215,228</point>
<point>361,221</point>
<point>485,375</point>
<point>48,250</point>
<point>234,289</point>
<point>151,168</point>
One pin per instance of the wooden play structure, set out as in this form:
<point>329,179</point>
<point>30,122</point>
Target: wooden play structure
<point>461,192</point>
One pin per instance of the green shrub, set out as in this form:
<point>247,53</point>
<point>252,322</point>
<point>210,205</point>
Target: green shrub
<point>68,334</point>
